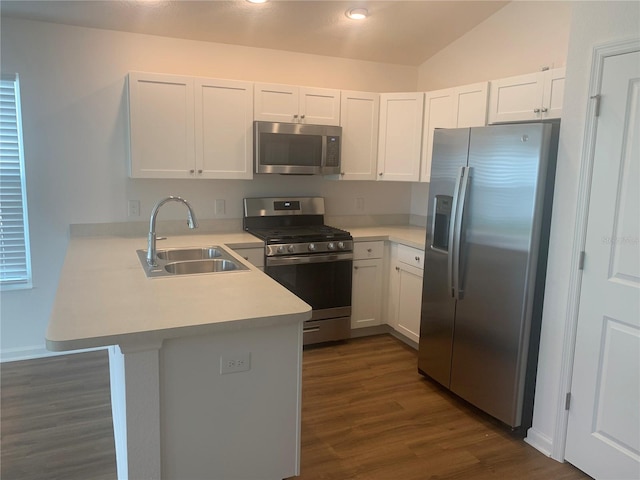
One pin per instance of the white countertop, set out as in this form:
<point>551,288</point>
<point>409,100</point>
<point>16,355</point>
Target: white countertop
<point>406,235</point>
<point>105,298</point>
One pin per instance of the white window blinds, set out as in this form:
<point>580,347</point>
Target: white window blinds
<point>15,262</point>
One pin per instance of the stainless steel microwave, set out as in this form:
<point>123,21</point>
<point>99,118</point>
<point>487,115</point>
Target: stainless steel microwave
<point>296,148</point>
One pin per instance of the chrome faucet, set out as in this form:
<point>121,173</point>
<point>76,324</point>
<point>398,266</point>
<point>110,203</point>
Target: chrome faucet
<point>151,246</point>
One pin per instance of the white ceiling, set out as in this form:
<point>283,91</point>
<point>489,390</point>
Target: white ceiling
<point>399,32</point>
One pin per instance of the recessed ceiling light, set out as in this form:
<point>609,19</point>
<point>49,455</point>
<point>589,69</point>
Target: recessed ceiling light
<point>357,13</point>
<point>257,1</point>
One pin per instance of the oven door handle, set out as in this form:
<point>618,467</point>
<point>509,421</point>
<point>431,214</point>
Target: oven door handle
<point>302,259</point>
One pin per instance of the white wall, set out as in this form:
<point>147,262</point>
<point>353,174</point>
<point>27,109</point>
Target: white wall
<point>592,23</point>
<point>519,38</point>
<point>75,134</point>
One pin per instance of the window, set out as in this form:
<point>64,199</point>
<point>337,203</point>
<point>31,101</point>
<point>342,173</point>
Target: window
<point>15,261</point>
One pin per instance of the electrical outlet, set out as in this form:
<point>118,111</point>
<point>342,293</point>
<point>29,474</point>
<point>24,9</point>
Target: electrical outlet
<point>133,208</point>
<point>235,363</point>
<point>219,206</point>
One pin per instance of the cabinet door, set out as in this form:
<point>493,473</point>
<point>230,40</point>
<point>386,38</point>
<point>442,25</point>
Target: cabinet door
<point>400,136</point>
<point>438,113</point>
<point>409,301</point>
<point>275,103</point>
<point>359,113</point>
<point>223,126</point>
<point>470,104</point>
<point>553,93</point>
<point>254,256</point>
<point>516,99</point>
<point>161,122</point>
<point>319,106</point>
<point>366,293</point>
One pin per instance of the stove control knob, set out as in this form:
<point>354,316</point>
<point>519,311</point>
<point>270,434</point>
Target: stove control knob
<point>280,249</point>
<point>341,245</point>
<point>331,246</point>
<point>312,247</point>
<point>291,248</point>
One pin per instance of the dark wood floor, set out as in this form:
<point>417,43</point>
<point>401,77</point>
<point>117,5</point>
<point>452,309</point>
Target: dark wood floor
<point>367,415</point>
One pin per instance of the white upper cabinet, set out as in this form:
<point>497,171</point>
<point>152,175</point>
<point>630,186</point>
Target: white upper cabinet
<point>161,118</point>
<point>185,127</point>
<point>400,138</point>
<point>535,96</point>
<point>458,107</point>
<point>291,104</point>
<point>223,128</point>
<point>359,113</point>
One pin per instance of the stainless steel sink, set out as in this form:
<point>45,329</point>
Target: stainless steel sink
<point>201,266</point>
<point>182,254</point>
<point>191,261</point>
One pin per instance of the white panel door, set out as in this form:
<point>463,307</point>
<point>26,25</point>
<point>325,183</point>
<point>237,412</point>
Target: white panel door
<point>223,125</point>
<point>319,106</point>
<point>359,113</point>
<point>553,93</point>
<point>603,436</point>
<point>438,113</point>
<point>409,301</point>
<point>515,99</point>
<point>161,116</point>
<point>366,293</point>
<point>400,138</point>
<point>276,103</point>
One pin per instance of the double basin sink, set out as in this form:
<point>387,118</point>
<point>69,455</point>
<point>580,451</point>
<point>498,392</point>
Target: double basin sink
<point>190,261</point>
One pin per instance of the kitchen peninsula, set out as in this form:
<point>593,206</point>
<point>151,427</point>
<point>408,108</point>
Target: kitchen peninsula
<point>175,414</point>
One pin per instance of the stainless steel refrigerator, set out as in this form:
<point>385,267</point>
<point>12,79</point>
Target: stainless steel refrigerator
<point>485,261</point>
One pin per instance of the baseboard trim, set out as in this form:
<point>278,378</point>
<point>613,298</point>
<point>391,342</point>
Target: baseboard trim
<point>539,441</point>
<point>35,351</point>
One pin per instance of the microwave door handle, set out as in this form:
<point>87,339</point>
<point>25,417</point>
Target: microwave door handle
<point>323,159</point>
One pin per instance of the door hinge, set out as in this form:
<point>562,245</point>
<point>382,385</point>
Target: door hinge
<point>581,261</point>
<point>567,401</point>
<point>597,99</point>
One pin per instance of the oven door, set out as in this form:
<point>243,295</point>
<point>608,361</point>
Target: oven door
<point>321,280</point>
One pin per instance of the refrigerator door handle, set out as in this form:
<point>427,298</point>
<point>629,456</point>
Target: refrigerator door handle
<point>453,233</point>
<point>457,292</point>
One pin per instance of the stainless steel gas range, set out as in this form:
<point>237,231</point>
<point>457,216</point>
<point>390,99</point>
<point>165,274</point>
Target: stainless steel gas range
<point>311,259</point>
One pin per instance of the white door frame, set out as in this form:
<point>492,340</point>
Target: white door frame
<point>600,53</point>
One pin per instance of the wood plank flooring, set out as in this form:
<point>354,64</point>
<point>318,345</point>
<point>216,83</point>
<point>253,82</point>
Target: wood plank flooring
<point>367,415</point>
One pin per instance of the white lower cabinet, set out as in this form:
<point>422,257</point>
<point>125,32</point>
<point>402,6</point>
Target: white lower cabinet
<point>255,256</point>
<point>405,290</point>
<point>367,284</point>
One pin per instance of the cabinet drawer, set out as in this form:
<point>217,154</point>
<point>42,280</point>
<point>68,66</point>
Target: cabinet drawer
<point>363,250</point>
<point>411,256</point>
<point>254,256</point>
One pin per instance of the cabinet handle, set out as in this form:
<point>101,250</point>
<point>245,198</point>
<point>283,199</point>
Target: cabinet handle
<point>342,173</point>
<point>199,172</point>
<point>355,268</point>
<point>380,174</point>
<point>417,259</point>
<point>397,269</point>
<point>369,250</point>
<point>545,110</point>
<point>302,116</point>
<point>536,110</point>
<point>192,171</point>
